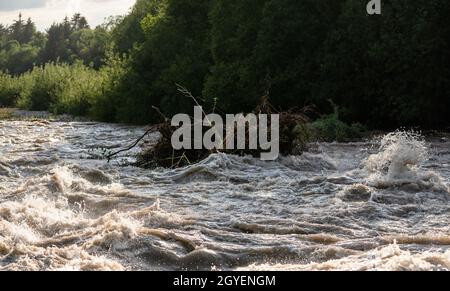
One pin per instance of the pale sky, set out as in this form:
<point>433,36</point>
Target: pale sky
<point>45,12</point>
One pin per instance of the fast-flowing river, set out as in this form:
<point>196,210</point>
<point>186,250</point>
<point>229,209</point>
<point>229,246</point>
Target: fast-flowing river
<point>376,205</point>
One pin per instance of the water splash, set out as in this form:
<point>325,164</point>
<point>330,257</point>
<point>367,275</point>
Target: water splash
<point>401,153</point>
<point>400,162</point>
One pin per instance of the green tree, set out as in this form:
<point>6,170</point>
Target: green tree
<point>128,32</point>
<point>234,33</point>
<point>3,30</point>
<point>79,22</point>
<point>374,67</point>
<point>57,45</point>
<point>289,46</point>
<point>29,31</point>
<point>16,29</point>
<point>66,41</point>
<point>90,46</point>
<point>174,50</point>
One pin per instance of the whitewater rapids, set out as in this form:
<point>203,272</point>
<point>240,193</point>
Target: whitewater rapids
<point>375,205</point>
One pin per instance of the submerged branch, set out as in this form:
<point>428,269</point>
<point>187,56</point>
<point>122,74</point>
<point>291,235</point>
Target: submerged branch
<point>153,128</point>
<point>110,156</point>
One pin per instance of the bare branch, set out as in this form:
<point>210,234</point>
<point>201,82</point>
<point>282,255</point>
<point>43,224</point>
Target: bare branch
<point>152,129</point>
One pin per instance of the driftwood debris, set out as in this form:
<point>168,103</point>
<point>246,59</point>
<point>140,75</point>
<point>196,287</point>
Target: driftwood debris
<point>162,153</point>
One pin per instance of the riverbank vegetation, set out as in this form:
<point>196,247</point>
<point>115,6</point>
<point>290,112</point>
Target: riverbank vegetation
<point>381,72</point>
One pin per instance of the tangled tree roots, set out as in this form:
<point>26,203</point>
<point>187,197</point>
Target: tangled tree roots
<point>292,141</point>
<point>163,155</point>
<point>294,136</point>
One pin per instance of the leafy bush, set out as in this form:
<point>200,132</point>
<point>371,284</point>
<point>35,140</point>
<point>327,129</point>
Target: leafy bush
<point>330,128</point>
<point>9,90</point>
<point>59,88</point>
<point>104,104</point>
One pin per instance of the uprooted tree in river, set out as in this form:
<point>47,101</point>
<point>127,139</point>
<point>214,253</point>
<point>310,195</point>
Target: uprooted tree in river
<point>292,137</point>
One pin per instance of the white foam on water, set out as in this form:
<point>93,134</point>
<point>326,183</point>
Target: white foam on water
<point>65,181</point>
<point>31,229</point>
<point>62,208</point>
<point>42,223</point>
<point>400,161</point>
<point>388,258</point>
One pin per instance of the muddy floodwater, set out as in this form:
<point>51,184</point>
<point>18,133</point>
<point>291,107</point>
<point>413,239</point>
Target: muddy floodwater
<point>382,204</point>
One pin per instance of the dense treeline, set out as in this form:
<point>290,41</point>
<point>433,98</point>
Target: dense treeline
<point>383,71</point>
<point>22,47</point>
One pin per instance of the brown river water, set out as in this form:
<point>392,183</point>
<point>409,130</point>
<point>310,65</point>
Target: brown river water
<point>382,204</point>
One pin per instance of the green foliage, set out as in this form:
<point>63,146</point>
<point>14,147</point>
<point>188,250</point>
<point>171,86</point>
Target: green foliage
<point>70,41</point>
<point>18,58</point>
<point>259,45</point>
<point>174,50</point>
<point>90,46</point>
<point>22,47</point>
<point>330,128</point>
<point>9,90</point>
<point>22,31</point>
<point>234,77</point>
<point>60,88</point>
<point>302,52</point>
<point>391,70</point>
<point>383,71</point>
<point>128,31</point>
<point>104,106</point>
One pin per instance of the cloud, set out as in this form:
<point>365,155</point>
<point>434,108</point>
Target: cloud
<point>11,5</point>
